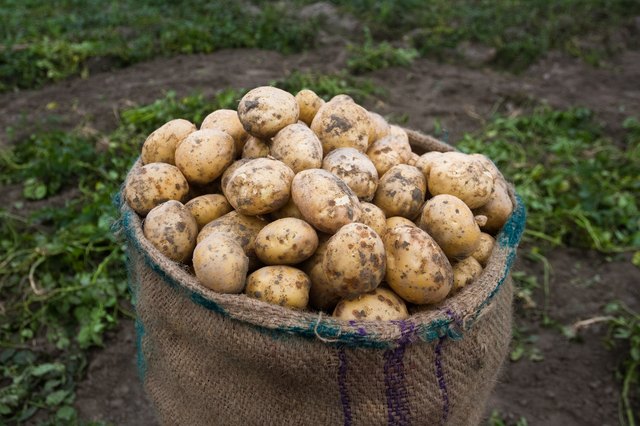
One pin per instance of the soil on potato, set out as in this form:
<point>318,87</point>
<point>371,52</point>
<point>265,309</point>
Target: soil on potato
<point>574,383</point>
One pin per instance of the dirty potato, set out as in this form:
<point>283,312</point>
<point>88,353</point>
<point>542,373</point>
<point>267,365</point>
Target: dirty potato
<point>465,272</point>
<point>374,217</point>
<point>485,247</point>
<point>355,169</point>
<point>379,127</point>
<point>355,260</point>
<point>324,200</point>
<point>152,185</point>
<point>323,295</point>
<point>160,146</point>
<point>226,120</point>
<point>394,221</point>
<point>266,110</point>
<point>342,125</point>
<point>279,285</point>
<point>288,210</point>
<point>426,160</point>
<point>208,207</point>
<point>255,148</point>
<point>463,176</point>
<point>204,155</point>
<point>309,103</point>
<point>297,147</point>
<point>286,242</point>
<point>417,268</point>
<point>452,224</point>
<point>384,156</point>
<point>224,180</point>
<point>498,208</point>
<point>401,191</point>
<point>172,229</point>
<point>261,186</point>
<point>220,264</point>
<point>380,304</point>
<point>413,159</point>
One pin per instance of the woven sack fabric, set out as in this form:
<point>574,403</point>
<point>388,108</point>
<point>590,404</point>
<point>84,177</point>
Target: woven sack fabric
<point>217,359</point>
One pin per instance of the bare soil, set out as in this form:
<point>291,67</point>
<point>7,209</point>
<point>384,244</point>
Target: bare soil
<point>574,383</point>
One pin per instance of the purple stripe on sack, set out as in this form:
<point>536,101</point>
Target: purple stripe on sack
<point>398,411</point>
<point>442,384</point>
<point>342,385</point>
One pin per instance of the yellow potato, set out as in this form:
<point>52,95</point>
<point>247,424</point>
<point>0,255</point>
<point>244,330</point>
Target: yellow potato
<point>152,185</point>
<point>279,285</point>
<point>160,146</point>
<point>255,148</point>
<point>355,260</point>
<point>427,160</point>
<point>172,229</point>
<point>264,111</point>
<point>380,304</point>
<point>207,208</point>
<point>384,156</point>
<point>489,165</point>
<point>394,221</point>
<point>463,176</point>
<point>355,169</point>
<point>224,180</point>
<point>485,247</point>
<point>498,208</point>
<point>309,103</point>
<point>451,223</point>
<point>220,264</point>
<point>342,98</point>
<point>417,269</point>
<point>324,200</point>
<point>401,191</point>
<point>263,185</point>
<point>204,155</point>
<point>298,147</point>
<point>342,125</point>
<point>413,159</point>
<point>399,141</point>
<point>226,120</point>
<point>379,127</point>
<point>323,295</point>
<point>464,273</point>
<point>286,242</point>
<point>374,217</point>
<point>289,210</point>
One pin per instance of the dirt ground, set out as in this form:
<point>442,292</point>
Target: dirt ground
<point>574,383</point>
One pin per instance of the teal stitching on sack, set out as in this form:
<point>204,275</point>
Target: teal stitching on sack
<point>508,238</point>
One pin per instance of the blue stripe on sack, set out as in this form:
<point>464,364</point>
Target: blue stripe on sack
<point>398,410</point>
<point>342,386</point>
<point>141,360</point>
<point>442,383</point>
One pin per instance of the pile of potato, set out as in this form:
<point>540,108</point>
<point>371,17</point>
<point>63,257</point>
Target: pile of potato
<point>311,204</point>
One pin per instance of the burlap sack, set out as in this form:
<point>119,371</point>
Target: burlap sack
<point>217,359</point>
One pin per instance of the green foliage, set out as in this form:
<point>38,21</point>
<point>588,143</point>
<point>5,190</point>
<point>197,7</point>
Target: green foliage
<point>520,31</point>
<point>497,419</point>
<point>328,86</point>
<point>47,41</point>
<point>371,56</point>
<point>61,268</point>
<point>580,188</point>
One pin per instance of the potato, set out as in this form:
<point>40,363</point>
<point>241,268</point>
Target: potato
<point>289,210</point>
<point>323,295</point>
<point>204,155</point>
<point>380,304</point>
<point>379,127</point>
<point>255,148</point>
<point>485,247</point>
<point>342,125</point>
<point>451,223</point>
<point>399,141</point>
<point>298,147</point>
<point>261,186</point>
<point>463,176</point>
<point>172,229</point>
<point>355,169</point>
<point>286,242</point>
<point>309,103</point>
<point>342,98</point>
<point>226,120</point>
<point>355,260</point>
<point>243,229</point>
<point>324,200</point>
<point>224,180</point>
<point>160,145</point>
<point>384,156</point>
<point>152,185</point>
<point>264,111</point>
<point>426,161</point>
<point>417,268</point>
<point>394,221</point>
<point>220,264</point>
<point>489,165</point>
<point>464,273</point>
<point>498,208</point>
<point>208,207</point>
<point>401,191</point>
<point>374,217</point>
<point>413,159</point>
<point>280,285</point>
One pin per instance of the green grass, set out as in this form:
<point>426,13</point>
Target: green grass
<point>42,41</point>
<point>372,56</point>
<point>520,31</point>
